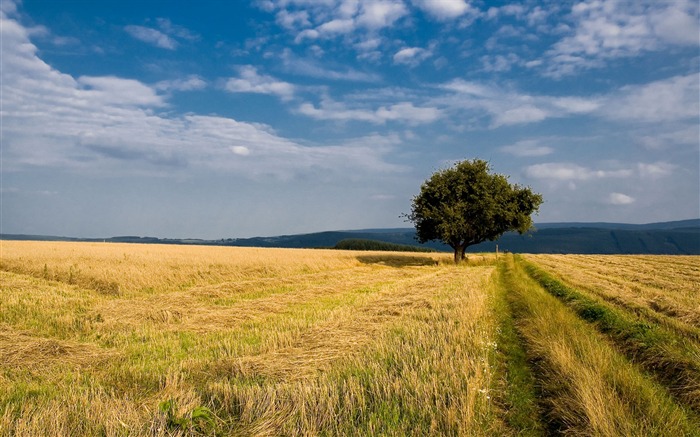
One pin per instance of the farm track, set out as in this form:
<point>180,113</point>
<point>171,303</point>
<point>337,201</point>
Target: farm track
<point>579,371</point>
<point>671,355</point>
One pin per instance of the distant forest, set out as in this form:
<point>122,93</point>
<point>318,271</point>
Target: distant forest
<point>668,238</point>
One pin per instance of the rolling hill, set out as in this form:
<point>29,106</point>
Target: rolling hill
<point>667,238</point>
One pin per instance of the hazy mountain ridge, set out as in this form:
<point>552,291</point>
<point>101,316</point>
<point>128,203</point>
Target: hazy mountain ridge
<point>672,238</point>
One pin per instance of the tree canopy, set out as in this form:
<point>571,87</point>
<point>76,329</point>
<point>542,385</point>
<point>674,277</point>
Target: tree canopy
<point>466,205</point>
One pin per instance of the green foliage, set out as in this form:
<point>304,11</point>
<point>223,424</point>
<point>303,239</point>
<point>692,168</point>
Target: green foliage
<point>200,419</point>
<point>466,205</point>
<point>364,244</point>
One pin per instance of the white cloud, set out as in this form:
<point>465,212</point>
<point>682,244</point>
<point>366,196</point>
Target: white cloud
<point>368,44</point>
<point>612,29</point>
<point>110,90</point>
<point>377,14</point>
<point>576,105</point>
<point>316,19</point>
<point>402,112</point>
<point>655,170</point>
<point>411,56</point>
<point>444,9</point>
<point>314,68</point>
<point>293,20</point>
<point>190,83</point>
<point>619,199</point>
<point>306,34</point>
<point>8,7</point>
<point>151,36</point>
<point>504,107</point>
<point>240,150</point>
<point>677,23</point>
<point>176,31</point>
<point>669,137</point>
<point>406,111</point>
<point>249,81</point>
<point>348,8</point>
<point>521,114</point>
<point>470,88</point>
<point>564,171</point>
<point>97,124</point>
<point>337,26</point>
<point>670,99</point>
<point>499,63</point>
<point>527,148</point>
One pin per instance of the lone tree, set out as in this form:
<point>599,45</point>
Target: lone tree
<point>466,205</point>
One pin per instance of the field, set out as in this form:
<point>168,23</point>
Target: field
<point>126,339</point>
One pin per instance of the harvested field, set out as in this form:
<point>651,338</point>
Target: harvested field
<point>198,340</point>
<point>122,339</point>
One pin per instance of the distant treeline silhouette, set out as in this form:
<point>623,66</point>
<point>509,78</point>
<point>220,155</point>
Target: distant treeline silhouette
<point>363,244</point>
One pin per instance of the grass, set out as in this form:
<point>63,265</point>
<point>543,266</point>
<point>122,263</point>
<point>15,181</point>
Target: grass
<point>517,393</point>
<point>660,287</point>
<point>673,358</point>
<point>587,387</point>
<point>120,339</point>
<point>235,341</point>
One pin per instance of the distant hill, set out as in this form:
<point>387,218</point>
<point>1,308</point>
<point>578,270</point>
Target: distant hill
<point>667,238</point>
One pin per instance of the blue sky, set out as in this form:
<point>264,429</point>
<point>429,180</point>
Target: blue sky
<point>216,119</point>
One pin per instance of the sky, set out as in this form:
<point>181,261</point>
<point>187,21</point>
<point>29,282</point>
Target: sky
<point>230,119</point>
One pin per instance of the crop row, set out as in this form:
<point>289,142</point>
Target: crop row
<point>590,360</point>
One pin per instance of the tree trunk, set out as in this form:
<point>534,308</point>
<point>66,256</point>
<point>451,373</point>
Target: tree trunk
<point>459,253</point>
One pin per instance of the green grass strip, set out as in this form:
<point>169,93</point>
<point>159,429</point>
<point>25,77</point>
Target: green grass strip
<point>518,394</point>
<point>672,359</point>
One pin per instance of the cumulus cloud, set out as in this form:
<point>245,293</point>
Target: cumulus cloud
<point>499,63</point>
<point>619,199</point>
<point>111,90</point>
<point>402,112</point>
<point>358,21</point>
<point>151,36</point>
<point>313,68</point>
<point>671,100</point>
<point>655,170</point>
<point>564,171</point>
<point>669,137</point>
<point>240,150</point>
<point>527,148</point>
<point>675,98</point>
<point>444,9</point>
<point>520,115</point>
<point>337,26</point>
<point>570,172</point>
<point>377,14</point>
<point>470,88</point>
<point>411,56</point>
<point>611,29</point>
<point>249,81</point>
<point>97,123</point>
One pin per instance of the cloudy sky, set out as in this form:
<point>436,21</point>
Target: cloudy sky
<point>217,119</point>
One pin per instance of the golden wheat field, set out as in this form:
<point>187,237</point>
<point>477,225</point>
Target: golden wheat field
<point>125,339</point>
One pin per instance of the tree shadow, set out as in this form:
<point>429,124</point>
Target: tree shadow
<point>397,260</point>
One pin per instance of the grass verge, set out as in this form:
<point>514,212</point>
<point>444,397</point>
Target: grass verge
<point>674,360</point>
<point>517,392</point>
<point>587,387</point>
